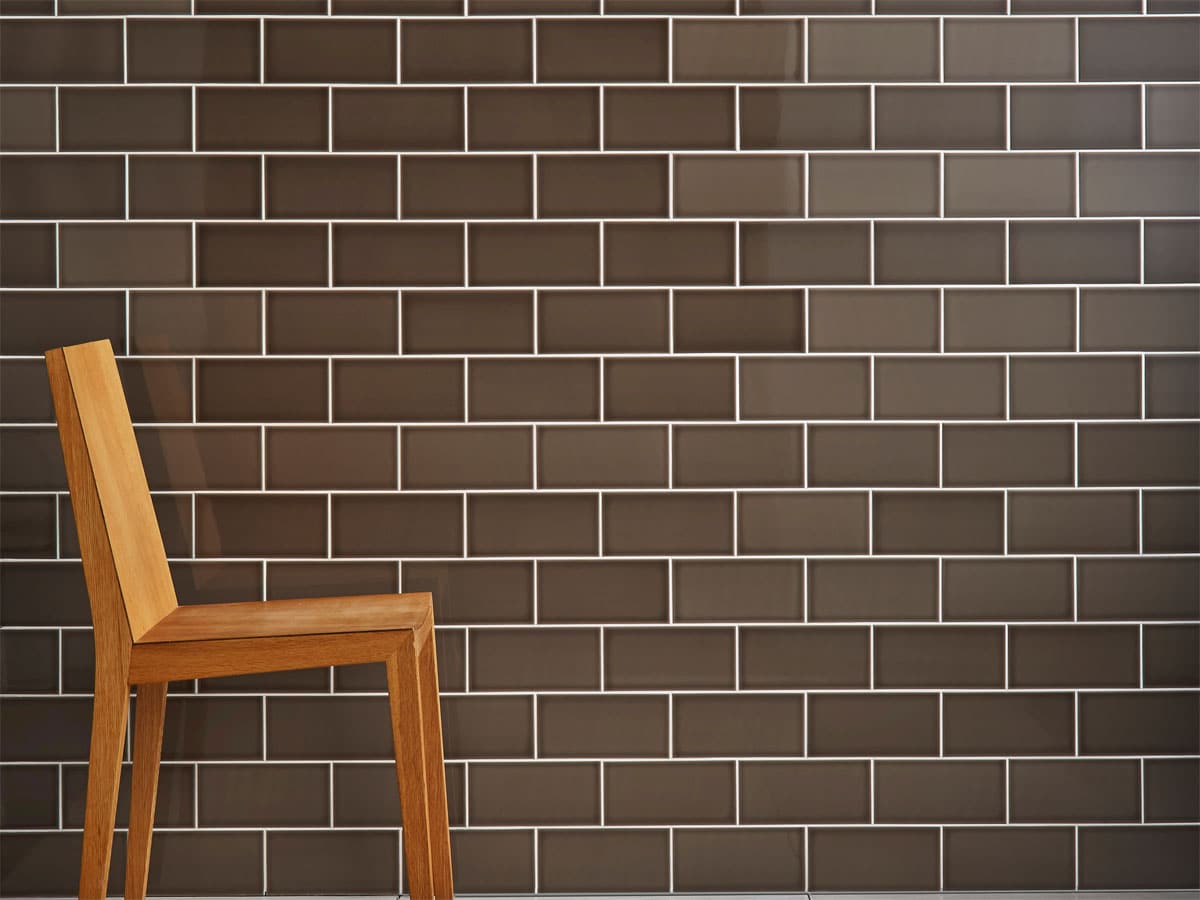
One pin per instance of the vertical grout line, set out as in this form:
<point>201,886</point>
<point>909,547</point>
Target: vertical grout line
<point>466,121</point>
<point>603,115</point>
<point>671,54</point>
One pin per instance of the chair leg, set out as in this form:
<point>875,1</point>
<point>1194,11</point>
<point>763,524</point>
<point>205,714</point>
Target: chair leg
<point>435,772</point>
<point>110,711</point>
<point>147,750</point>
<point>404,695</point>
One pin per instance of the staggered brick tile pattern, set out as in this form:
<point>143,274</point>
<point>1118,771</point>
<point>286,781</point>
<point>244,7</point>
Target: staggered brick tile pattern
<point>793,406</point>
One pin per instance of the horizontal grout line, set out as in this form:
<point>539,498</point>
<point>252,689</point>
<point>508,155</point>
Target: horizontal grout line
<point>614,220</point>
<point>616,152</point>
<point>615,83</point>
<point>718,625</point>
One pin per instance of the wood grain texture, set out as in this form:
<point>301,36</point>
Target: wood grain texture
<point>435,766</point>
<point>404,697</point>
<point>147,750</point>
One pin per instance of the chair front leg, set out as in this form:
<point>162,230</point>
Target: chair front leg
<point>435,771</point>
<point>110,711</point>
<point>404,696</point>
<point>147,751</point>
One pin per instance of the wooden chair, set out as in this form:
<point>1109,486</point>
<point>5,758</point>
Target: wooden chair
<point>144,639</point>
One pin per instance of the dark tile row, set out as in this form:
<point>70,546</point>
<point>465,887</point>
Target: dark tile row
<point>1145,589</point>
<point>601,186</point>
<point>872,320</point>
<point>601,50</point>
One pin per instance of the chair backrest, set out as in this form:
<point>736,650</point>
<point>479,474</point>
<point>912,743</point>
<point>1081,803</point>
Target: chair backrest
<point>129,583</point>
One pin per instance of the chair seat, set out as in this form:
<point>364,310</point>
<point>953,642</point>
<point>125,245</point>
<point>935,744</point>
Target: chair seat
<point>291,618</point>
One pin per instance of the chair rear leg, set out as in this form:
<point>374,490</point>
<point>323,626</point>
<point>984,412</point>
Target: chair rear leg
<point>435,772</point>
<point>110,711</point>
<point>404,695</point>
<point>147,751</point>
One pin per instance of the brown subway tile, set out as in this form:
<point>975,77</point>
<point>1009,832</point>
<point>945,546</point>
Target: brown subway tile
<point>662,7</point>
<point>261,7</point>
<point>1075,791</point>
<point>865,455</point>
<point>183,51</point>
<point>610,50</point>
<point>870,590</point>
<point>674,253</point>
<point>463,51</point>
<point>1140,319</point>
<point>1091,117</point>
<point>947,388</point>
<point>508,389</point>
<point>366,795</point>
<point>731,50</point>
<point>395,7</point>
<point>1008,455</point>
<point>200,187</point>
<point>605,726</point>
<point>939,656</point>
<point>1170,254</point>
<point>124,254</point>
<point>33,460</point>
<point>1013,50</point>
<point>678,523</point>
<point>33,322</point>
<point>200,458</point>
<point>1168,184</point>
<point>997,589</point>
<point>534,253</point>
<point>1171,655</point>
<point>1009,858</point>
<point>398,119</point>
<point>1172,790</point>
<point>938,523</point>
<point>602,456</point>
<point>802,523</point>
<point>859,185</point>
<point>1171,521</point>
<point>493,860</point>
<point>262,118</point>
<point>541,118</point>
<point>562,659</point>
<point>27,118</point>
<point>1138,589</point>
<point>1086,252</point>
<point>310,322</point>
<point>25,392</point>
<point>611,186</point>
<point>391,525</point>
<point>933,252</point>
<point>233,525</point>
<point>456,187</point>
<point>538,7</point>
<point>235,724</point>
<point>1009,319</point>
<point>607,591</point>
<point>805,253</point>
<point>258,794</point>
<point>25,585</point>
<point>1080,522</point>
<point>712,859</point>
<point>490,727</point>
<point>49,51</point>
<point>817,118</point>
<point>1142,723</point>
<point>477,322</point>
<point>1075,387</point>
<point>742,320</point>
<point>125,118</point>
<point>398,254</point>
<point>739,185</point>
<point>28,256</point>
<point>804,791</point>
<point>329,579</point>
<point>911,792</point>
<point>1139,454</point>
<point>873,724</point>
<point>1139,50</point>
<point>439,458</point>
<point>217,582</point>
<point>1010,185</point>
<point>739,456</point>
<point>40,729</point>
<point>1172,115</point>
<point>28,527</point>
<point>333,187</point>
<point>1069,656</point>
<point>316,861</point>
<point>812,7</point>
<point>466,593</point>
<point>62,187</point>
<point>257,390</point>
<point>662,793</point>
<point>764,590</point>
<point>870,50</point>
<point>602,321</point>
<point>873,320</point>
<point>307,51</point>
<point>532,525</point>
<point>604,860</point>
<point>669,389</point>
<point>1018,724</point>
<point>958,118</point>
<point>398,390</point>
<point>785,388</point>
<point>902,859</point>
<point>30,797</point>
<point>668,659</point>
<point>804,657</point>
<point>1158,857</point>
<point>1041,7</point>
<point>1171,387</point>
<point>331,458</point>
<point>232,255</point>
<point>739,725</point>
<point>682,118</point>
<point>535,793</point>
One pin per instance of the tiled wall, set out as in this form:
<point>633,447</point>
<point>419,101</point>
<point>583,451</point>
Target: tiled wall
<point>792,405</point>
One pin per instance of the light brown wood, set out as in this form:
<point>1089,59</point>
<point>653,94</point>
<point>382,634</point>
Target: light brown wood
<point>147,750</point>
<point>144,638</point>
